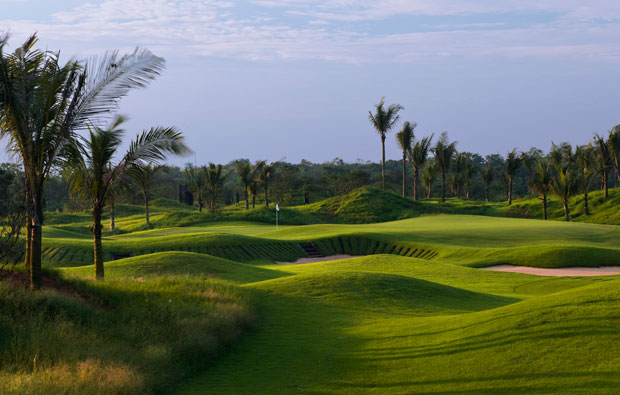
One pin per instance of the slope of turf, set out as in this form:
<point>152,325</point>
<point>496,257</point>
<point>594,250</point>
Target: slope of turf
<point>173,263</point>
<point>555,340</point>
<point>122,337</point>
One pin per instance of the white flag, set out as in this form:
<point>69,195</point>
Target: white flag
<point>277,207</point>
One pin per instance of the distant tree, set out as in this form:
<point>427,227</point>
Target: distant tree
<point>565,176</point>
<point>142,177</point>
<point>196,178</point>
<point>87,167</point>
<point>613,144</point>
<point>12,216</point>
<point>428,176</point>
<point>266,173</point>
<point>444,153</point>
<point>487,174</point>
<point>383,120</point>
<point>540,182</point>
<point>513,163</point>
<point>405,138</point>
<point>585,161</point>
<point>214,179</point>
<point>418,156</point>
<point>469,170</point>
<point>603,161</point>
<point>244,172</point>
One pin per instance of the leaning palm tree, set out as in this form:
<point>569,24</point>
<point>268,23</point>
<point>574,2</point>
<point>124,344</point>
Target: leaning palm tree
<point>87,167</point>
<point>244,172</point>
<point>540,182</point>
<point>383,120</point>
<point>512,165</point>
<point>142,177</point>
<point>419,154</point>
<point>584,159</point>
<point>444,153</point>
<point>565,176</point>
<point>487,174</point>
<point>613,144</point>
<point>428,176</point>
<point>603,162</point>
<point>405,139</point>
<point>215,179</point>
<point>197,182</point>
<point>42,104</point>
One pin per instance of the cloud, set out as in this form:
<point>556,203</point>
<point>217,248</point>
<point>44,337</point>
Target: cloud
<point>190,28</point>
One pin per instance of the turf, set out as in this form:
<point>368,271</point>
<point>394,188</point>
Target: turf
<point>411,314</point>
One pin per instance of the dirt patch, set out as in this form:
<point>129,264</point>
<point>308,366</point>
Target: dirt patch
<point>301,261</point>
<point>559,272</point>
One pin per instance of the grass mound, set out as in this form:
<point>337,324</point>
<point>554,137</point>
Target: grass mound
<point>174,263</point>
<point>383,292</point>
<point>115,338</point>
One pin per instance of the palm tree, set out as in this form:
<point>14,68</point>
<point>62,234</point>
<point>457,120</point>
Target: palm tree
<point>215,179</point>
<point>197,181</point>
<point>565,176</point>
<point>584,159</point>
<point>405,139</point>
<point>540,182</point>
<point>244,171</point>
<point>383,120</point>
<point>428,176</point>
<point>87,167</point>
<point>444,152</point>
<point>142,177</point>
<point>42,104</point>
<point>469,170</point>
<point>487,174</point>
<point>255,176</point>
<point>512,165</point>
<point>418,156</point>
<point>613,144</point>
<point>603,161</point>
<point>267,172</point>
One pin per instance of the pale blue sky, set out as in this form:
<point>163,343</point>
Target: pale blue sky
<point>295,78</point>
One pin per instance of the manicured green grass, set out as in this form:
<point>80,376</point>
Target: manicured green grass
<point>411,315</point>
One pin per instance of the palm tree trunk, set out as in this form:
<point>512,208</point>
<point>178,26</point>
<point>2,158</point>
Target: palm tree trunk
<point>28,242</point>
<point>544,204</point>
<point>604,182</point>
<point>28,227</point>
<point>566,210</point>
<point>98,248</point>
<point>467,190</point>
<point>383,161</point>
<point>486,191</point>
<point>253,201</point>
<point>266,196</point>
<point>586,209</point>
<point>443,185</point>
<point>146,210</point>
<point>247,202</point>
<point>428,191</point>
<point>415,182</point>
<point>112,217</point>
<point>509,190</point>
<point>37,240</point>
<point>404,171</point>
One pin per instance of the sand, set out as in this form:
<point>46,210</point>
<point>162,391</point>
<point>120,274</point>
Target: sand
<point>301,261</point>
<point>559,272</point>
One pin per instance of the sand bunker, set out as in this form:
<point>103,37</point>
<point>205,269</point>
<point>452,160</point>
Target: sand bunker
<point>559,272</point>
<point>301,261</point>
